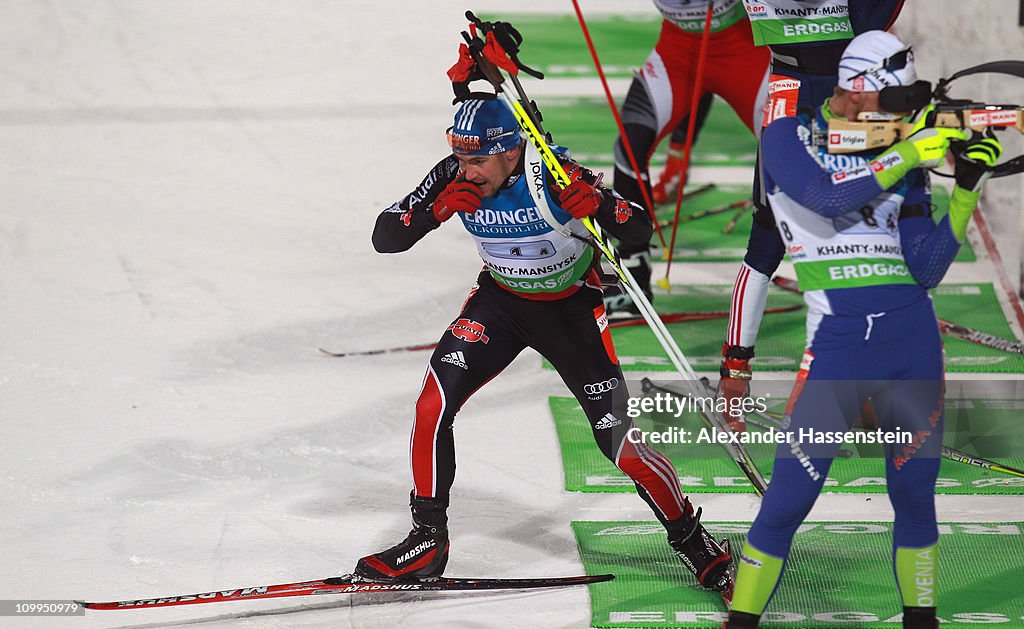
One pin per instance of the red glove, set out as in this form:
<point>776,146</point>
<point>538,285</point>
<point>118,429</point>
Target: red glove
<point>463,68</point>
<point>734,384</point>
<point>579,198</point>
<point>459,196</point>
<point>495,53</point>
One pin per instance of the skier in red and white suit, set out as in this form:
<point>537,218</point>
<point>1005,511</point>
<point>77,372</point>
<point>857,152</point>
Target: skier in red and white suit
<point>662,92</point>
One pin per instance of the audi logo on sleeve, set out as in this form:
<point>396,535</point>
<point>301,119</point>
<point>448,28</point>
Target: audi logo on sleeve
<point>597,388</point>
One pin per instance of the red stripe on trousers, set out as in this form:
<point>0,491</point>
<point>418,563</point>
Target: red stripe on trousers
<point>606,334</point>
<point>423,443</point>
<point>736,319</point>
<point>664,494</point>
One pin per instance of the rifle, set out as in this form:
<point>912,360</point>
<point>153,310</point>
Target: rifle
<point>845,136</point>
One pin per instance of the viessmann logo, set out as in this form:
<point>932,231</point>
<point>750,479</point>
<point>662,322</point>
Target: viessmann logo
<point>998,118</point>
<point>783,85</point>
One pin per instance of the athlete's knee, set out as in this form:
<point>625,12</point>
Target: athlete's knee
<point>638,110</point>
<point>765,249</point>
<point>641,141</point>
<point>792,493</point>
<point>911,491</point>
<point>775,525</point>
<point>914,506</point>
<point>913,480</point>
<point>436,403</point>
<point>636,459</point>
<point>785,515</point>
<point>633,468</point>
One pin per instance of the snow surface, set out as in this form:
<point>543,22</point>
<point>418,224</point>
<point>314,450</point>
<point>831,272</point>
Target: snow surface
<point>188,192</point>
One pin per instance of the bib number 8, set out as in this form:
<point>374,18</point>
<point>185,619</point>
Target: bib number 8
<point>788,235</point>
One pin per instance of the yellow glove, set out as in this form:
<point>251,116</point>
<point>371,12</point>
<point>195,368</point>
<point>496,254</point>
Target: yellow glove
<point>930,145</point>
<point>974,163</point>
<point>973,167</point>
<point>925,147</point>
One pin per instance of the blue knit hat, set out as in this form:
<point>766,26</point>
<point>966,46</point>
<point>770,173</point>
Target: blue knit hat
<point>483,127</point>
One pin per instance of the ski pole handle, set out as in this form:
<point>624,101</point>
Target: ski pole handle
<point>507,38</point>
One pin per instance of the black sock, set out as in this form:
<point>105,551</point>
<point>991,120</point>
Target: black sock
<point>432,512</point>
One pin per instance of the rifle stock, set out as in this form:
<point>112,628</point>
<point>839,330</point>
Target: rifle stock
<point>845,136</point>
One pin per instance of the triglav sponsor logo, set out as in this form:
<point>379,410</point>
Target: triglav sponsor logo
<point>886,161</point>
<point>848,139</point>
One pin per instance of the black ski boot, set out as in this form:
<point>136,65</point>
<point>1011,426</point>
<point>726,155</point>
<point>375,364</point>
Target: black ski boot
<point>707,559</point>
<point>423,554</point>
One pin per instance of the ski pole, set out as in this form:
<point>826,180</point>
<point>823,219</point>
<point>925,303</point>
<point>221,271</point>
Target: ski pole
<point>718,209</point>
<point>537,142</point>
<point>731,225</point>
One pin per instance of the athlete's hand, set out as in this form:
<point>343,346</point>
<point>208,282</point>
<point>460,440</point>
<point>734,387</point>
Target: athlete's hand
<point>580,198</point>
<point>974,163</point>
<point>930,145</point>
<point>925,147</point>
<point>460,195</point>
<point>973,167</point>
<point>734,384</point>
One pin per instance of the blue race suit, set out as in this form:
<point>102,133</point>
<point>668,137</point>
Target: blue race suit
<point>803,74</point>
<point>865,258</point>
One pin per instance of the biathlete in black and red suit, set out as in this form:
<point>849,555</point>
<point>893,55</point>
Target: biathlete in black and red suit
<point>538,289</point>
